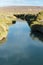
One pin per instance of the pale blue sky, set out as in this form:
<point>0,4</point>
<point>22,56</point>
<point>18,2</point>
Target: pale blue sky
<point>21,2</point>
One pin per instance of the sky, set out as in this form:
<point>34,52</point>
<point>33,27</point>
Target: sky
<point>21,3</point>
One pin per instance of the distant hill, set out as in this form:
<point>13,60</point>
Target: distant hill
<point>20,9</point>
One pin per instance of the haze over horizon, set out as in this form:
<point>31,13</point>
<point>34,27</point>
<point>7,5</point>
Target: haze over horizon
<point>21,3</point>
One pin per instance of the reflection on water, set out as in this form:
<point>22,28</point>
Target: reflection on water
<point>37,35</point>
<point>3,41</point>
<point>20,48</point>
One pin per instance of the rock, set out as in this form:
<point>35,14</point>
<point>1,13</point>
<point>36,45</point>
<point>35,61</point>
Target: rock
<point>3,30</point>
<point>5,21</point>
<point>37,25</point>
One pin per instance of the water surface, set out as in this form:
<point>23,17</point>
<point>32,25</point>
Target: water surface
<point>20,47</point>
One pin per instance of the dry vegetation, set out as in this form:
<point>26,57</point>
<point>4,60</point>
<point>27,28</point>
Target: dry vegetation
<point>6,16</point>
<point>20,9</point>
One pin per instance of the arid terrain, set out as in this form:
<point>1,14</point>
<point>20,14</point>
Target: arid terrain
<point>20,9</point>
<point>9,15</point>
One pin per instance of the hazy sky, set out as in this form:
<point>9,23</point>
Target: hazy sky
<point>21,2</point>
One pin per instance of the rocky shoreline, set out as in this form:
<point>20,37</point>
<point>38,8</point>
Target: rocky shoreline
<point>34,21</point>
<point>5,21</point>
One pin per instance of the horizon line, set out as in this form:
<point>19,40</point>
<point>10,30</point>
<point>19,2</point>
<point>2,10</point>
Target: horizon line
<point>22,6</point>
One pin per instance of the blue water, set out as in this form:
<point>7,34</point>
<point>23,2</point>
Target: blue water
<point>21,48</point>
